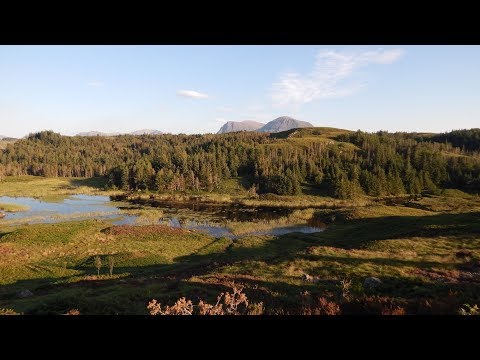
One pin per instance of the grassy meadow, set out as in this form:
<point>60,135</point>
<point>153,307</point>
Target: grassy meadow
<point>52,188</point>
<point>425,252</point>
<point>12,207</point>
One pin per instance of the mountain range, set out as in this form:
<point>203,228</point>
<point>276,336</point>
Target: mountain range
<point>137,132</point>
<point>282,123</point>
<point>7,138</point>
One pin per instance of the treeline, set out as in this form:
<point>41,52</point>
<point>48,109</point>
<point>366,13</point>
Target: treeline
<point>463,139</point>
<point>358,163</point>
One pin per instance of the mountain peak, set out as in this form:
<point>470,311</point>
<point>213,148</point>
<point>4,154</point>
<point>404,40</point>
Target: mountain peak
<point>246,125</point>
<point>146,132</point>
<point>284,123</point>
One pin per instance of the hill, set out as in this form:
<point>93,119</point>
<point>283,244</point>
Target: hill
<point>137,132</point>
<point>334,162</point>
<point>146,132</point>
<point>7,138</point>
<point>284,123</point>
<point>246,125</point>
<point>96,133</point>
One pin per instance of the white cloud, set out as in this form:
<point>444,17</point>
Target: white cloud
<point>221,120</point>
<point>95,83</point>
<point>331,68</point>
<point>192,94</point>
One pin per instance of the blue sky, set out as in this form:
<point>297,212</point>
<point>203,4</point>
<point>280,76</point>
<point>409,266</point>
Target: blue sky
<point>195,89</point>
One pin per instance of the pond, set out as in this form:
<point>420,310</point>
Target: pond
<point>211,219</point>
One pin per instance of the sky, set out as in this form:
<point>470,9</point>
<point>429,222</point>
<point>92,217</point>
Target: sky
<point>195,89</point>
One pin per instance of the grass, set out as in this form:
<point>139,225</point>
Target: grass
<point>426,253</point>
<point>52,189</point>
<point>416,253</point>
<point>264,200</point>
<point>4,143</point>
<point>13,207</point>
<point>145,216</point>
<point>297,217</point>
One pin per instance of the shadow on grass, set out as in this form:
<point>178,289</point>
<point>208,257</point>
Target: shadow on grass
<point>4,233</point>
<point>168,281</point>
<point>94,182</point>
<point>358,233</point>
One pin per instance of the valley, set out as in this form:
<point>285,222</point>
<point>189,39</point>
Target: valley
<point>110,245</point>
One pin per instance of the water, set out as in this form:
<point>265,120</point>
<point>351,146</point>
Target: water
<point>210,219</point>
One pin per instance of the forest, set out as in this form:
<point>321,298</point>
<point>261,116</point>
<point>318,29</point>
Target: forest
<point>342,164</point>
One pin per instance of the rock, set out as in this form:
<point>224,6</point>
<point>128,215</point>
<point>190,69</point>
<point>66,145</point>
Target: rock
<point>306,277</point>
<point>2,215</point>
<point>25,293</point>
<point>372,282</point>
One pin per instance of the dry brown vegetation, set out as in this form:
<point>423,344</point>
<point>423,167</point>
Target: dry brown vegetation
<point>235,303</point>
<point>73,312</point>
<point>8,312</point>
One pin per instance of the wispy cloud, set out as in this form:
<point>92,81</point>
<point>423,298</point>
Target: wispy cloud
<point>192,94</point>
<point>326,80</point>
<point>95,83</point>
<point>221,120</point>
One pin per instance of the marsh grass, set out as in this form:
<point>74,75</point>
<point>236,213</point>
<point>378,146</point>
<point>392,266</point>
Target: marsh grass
<point>297,217</point>
<point>55,218</point>
<point>426,253</point>
<point>144,216</point>
<point>13,207</point>
<point>52,188</point>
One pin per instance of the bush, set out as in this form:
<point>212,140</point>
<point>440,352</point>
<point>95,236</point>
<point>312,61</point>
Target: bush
<point>235,303</point>
<point>323,307</point>
<point>469,310</point>
<point>8,312</point>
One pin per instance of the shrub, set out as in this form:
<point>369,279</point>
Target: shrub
<point>397,310</point>
<point>470,310</point>
<point>256,309</point>
<point>181,307</point>
<point>73,312</point>
<point>110,264</point>
<point>346,284</point>
<point>375,304</point>
<point>322,306</point>
<point>235,303</point>
<point>97,261</point>
<point>8,312</point>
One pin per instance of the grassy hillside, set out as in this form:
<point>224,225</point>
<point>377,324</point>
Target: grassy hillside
<point>51,188</point>
<point>5,142</point>
<point>340,163</point>
<point>425,252</point>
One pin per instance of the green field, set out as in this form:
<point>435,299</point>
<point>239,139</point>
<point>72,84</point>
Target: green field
<point>12,207</point>
<point>51,188</point>
<point>425,252</point>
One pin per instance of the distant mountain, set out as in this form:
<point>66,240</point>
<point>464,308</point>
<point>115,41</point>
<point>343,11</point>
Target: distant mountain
<point>284,123</point>
<point>96,133</point>
<point>7,138</point>
<point>247,125</point>
<point>138,132</point>
<point>146,132</point>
